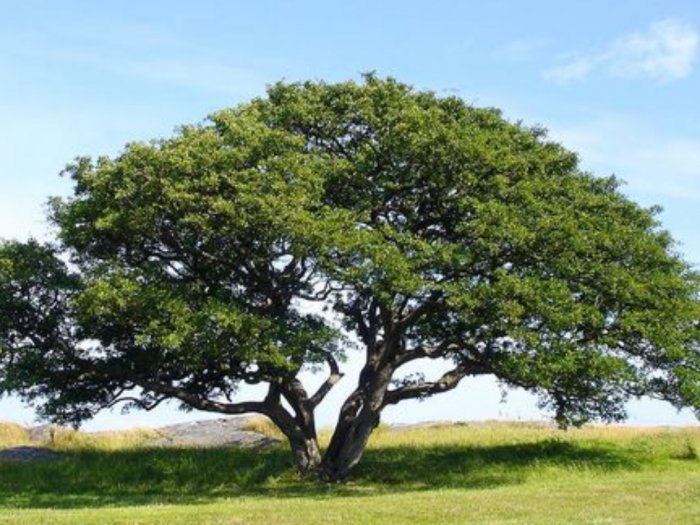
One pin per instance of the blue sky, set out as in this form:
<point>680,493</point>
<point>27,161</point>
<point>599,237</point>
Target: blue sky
<point>618,82</point>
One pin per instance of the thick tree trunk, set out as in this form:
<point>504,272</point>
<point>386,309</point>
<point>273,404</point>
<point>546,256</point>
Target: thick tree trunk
<point>307,455</point>
<point>347,445</point>
<point>301,434</point>
<point>359,416</point>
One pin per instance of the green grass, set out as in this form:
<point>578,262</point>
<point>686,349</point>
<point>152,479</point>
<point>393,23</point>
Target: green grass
<point>495,473</point>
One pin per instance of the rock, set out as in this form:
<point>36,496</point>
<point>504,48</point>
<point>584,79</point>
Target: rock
<point>424,424</point>
<point>213,433</point>
<point>27,454</point>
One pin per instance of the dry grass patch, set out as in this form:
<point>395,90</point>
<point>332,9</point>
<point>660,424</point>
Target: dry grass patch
<point>72,440</point>
<point>263,425</point>
<point>12,435</point>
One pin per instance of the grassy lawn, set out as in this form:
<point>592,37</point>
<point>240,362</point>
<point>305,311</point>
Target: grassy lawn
<point>494,473</point>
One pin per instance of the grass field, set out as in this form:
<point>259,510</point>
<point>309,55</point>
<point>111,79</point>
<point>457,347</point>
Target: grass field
<point>493,473</point>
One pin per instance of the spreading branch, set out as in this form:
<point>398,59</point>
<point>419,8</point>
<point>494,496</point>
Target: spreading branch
<point>430,352</point>
<point>201,403</point>
<point>448,381</point>
<point>419,311</point>
<point>322,294</point>
<point>143,405</point>
<point>335,376</point>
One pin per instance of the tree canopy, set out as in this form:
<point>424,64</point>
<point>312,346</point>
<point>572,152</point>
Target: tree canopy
<point>431,229</point>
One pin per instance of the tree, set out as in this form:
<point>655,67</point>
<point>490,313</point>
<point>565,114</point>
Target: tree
<point>429,228</point>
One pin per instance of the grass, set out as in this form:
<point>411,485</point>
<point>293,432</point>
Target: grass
<point>494,473</point>
<point>12,435</point>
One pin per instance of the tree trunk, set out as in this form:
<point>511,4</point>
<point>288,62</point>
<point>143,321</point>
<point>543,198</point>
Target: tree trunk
<point>307,455</point>
<point>301,434</point>
<point>347,445</point>
<point>359,416</point>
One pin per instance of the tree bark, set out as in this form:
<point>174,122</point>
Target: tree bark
<point>307,455</point>
<point>347,446</point>
<point>359,416</point>
<point>300,428</point>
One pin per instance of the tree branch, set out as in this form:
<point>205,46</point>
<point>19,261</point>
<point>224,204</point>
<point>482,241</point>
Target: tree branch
<point>430,352</point>
<point>422,309</point>
<point>273,395</point>
<point>320,295</point>
<point>141,404</point>
<point>204,404</point>
<point>448,381</point>
<point>335,376</point>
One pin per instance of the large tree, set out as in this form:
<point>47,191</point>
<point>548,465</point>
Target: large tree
<point>428,228</point>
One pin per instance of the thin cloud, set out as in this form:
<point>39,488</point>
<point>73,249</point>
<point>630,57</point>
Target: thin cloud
<point>155,57</point>
<point>653,164</point>
<point>574,70</point>
<point>212,76</point>
<point>521,49</point>
<point>666,51</point>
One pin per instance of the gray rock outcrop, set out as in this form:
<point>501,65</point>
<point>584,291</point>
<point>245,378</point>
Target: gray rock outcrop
<point>213,433</point>
<point>27,454</point>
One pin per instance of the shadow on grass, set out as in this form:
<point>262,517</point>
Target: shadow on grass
<point>150,476</point>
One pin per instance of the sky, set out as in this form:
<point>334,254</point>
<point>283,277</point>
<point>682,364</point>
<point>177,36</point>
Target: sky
<point>617,82</point>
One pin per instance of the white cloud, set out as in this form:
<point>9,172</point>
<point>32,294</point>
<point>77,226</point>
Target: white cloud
<point>665,51</point>
<point>577,68</point>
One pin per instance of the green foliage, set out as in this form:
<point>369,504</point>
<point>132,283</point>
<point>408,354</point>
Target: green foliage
<point>431,227</point>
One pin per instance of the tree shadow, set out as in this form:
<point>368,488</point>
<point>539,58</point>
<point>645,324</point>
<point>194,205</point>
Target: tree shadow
<point>193,476</point>
<point>484,466</point>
